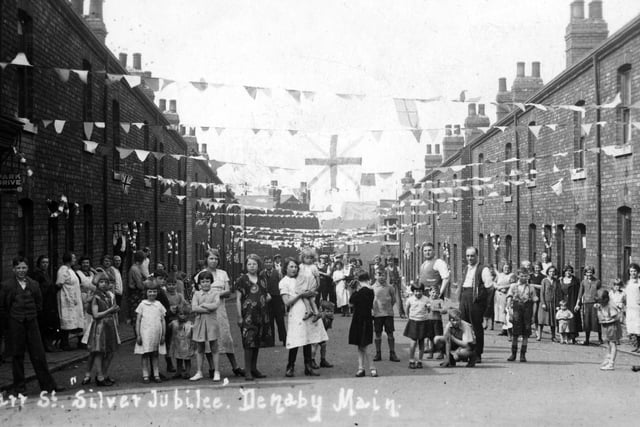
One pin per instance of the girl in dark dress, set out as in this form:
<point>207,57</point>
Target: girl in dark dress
<point>550,297</point>
<point>570,287</point>
<point>361,330</point>
<point>253,316</point>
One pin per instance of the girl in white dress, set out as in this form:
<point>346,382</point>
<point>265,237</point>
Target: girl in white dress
<point>633,306</point>
<point>150,332</point>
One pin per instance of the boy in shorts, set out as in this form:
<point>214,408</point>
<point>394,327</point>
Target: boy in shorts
<point>383,302</point>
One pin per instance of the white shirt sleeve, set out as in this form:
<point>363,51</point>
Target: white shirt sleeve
<point>487,279</point>
<point>442,268</point>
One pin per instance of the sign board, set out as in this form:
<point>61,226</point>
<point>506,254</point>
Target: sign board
<point>10,182</point>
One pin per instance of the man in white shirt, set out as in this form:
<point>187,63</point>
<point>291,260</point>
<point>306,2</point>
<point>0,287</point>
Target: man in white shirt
<point>434,272</point>
<point>473,296</point>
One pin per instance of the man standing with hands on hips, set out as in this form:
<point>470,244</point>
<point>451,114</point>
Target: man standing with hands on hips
<point>434,272</point>
<point>473,297</point>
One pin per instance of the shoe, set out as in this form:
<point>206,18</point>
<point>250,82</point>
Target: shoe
<point>478,360</point>
<point>216,377</point>
<point>258,374</point>
<point>418,365</point>
<point>86,380</point>
<point>157,380</point>
<point>440,356</point>
<point>360,373</point>
<point>393,357</point>
<point>211,373</point>
<point>170,368</point>
<point>185,376</point>
<point>325,364</point>
<point>451,362</point>
<point>238,372</point>
<point>502,333</point>
<point>605,362</point>
<point>310,372</point>
<point>635,368</point>
<point>377,357</point>
<point>607,367</point>
<point>540,338</point>
<point>374,373</point>
<point>197,377</point>
<point>430,355</point>
<point>314,365</point>
<point>289,372</point>
<point>110,379</point>
<point>103,383</point>
<point>145,380</point>
<point>177,376</point>
<point>512,357</point>
<point>472,361</point>
<point>412,365</point>
<point>586,342</point>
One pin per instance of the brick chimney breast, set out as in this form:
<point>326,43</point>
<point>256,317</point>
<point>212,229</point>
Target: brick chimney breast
<point>584,35</point>
<point>94,20</point>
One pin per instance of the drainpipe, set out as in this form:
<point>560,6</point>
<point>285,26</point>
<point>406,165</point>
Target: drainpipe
<point>515,125</point>
<point>596,78</point>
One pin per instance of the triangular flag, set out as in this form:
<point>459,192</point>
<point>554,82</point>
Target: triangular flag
<point>180,198</point>
<point>142,154</point>
<point>502,128</point>
<point>176,156</point>
<point>252,91</point>
<point>20,59</point>
<point>433,134</point>
<point>484,129</point>
<point>88,129</point>
<point>99,125</point>
<point>292,132</point>
<point>166,82</point>
<point>295,94</point>
<point>201,85</point>
<point>555,168</point>
<point>3,65</point>
<point>538,106</point>
<point>266,91</point>
<point>63,74</point>
<point>90,146</point>
<point>132,81</point>
<point>308,95</point>
<point>255,131</point>
<point>138,124</point>
<point>636,125</point>
<point>46,123</point>
<point>614,102</point>
<point>345,96</point>
<point>535,130</point>
<point>124,152</point>
<point>377,135</point>
<point>59,125</point>
<point>520,105</point>
<point>204,128</point>
<point>417,134</point>
<point>552,126</point>
<point>112,78</point>
<point>557,187</point>
<point>126,127</point>
<point>219,131</point>
<point>157,155</point>
<point>586,128</point>
<point>602,124</point>
<point>83,75</point>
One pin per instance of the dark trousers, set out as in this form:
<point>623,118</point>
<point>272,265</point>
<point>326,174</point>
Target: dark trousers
<point>276,315</point>
<point>326,293</point>
<point>472,312</point>
<point>293,353</point>
<point>400,301</point>
<point>25,335</point>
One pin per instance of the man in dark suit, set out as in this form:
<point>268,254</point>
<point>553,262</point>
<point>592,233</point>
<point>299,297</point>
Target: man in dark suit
<point>277,311</point>
<point>20,302</point>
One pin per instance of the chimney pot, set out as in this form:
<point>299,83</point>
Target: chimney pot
<point>173,106</point>
<point>162,105</point>
<point>78,6</point>
<point>137,61</point>
<point>577,10</point>
<point>535,69</point>
<point>472,109</point>
<point>123,60</point>
<point>182,130</point>
<point>595,9</point>
<point>274,183</point>
<point>95,8</point>
<point>303,185</point>
<point>520,69</point>
<point>456,130</point>
<point>447,130</point>
<point>192,131</point>
<point>502,84</point>
<point>481,109</point>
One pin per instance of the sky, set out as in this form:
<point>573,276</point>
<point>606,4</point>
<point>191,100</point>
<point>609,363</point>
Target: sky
<point>378,48</point>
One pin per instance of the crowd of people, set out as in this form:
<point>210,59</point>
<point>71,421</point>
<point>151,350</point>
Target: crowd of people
<point>181,317</point>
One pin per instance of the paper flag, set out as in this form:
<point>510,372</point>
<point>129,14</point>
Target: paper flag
<point>252,91</point>
<point>376,134</point>
<point>3,65</point>
<point>83,75</point>
<point>417,134</point>
<point>142,154</point>
<point>295,94</point>
<point>502,128</point>
<point>603,124</point>
<point>520,105</point>
<point>20,59</point>
<point>219,131</point>
<point>538,106</point>
<point>112,78</point>
<point>138,125</point>
<point>457,168</point>
<point>132,81</point>
<point>59,125</point>
<point>126,127</point>
<point>124,152</point>
<point>201,85</point>
<point>63,74</point>
<point>46,123</point>
<point>90,146</point>
<point>614,102</point>
<point>557,187</point>
<point>99,125</point>
<point>176,156</point>
<point>484,129</point>
<point>552,126</point>
<point>535,130</point>
<point>266,91</point>
<point>126,182</point>
<point>586,128</point>
<point>308,95</point>
<point>255,131</point>
<point>180,198</point>
<point>433,134</point>
<point>636,125</point>
<point>166,82</point>
<point>292,132</point>
<point>344,96</point>
<point>157,155</point>
<point>88,129</point>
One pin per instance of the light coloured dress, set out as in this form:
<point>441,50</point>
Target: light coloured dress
<point>150,327</point>
<point>503,282</point>
<point>300,332</point>
<point>221,284</point>
<point>342,293</point>
<point>205,326</point>
<point>70,308</point>
<point>633,307</point>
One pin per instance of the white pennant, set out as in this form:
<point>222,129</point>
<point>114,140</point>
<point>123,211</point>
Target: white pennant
<point>3,65</point>
<point>21,59</point>
<point>138,124</point>
<point>63,74</point>
<point>636,125</point>
<point>142,154</point>
<point>377,135</point>
<point>614,102</point>
<point>83,75</point>
<point>124,152</point>
<point>484,129</point>
<point>90,146</point>
<point>126,127</point>
<point>133,81</point>
<point>114,77</point>
<point>59,125</point>
<point>99,125</point>
<point>433,134</point>
<point>502,128</point>
<point>553,126</point>
<point>586,128</point>
<point>88,129</point>
<point>535,130</point>
<point>557,187</point>
<point>46,123</point>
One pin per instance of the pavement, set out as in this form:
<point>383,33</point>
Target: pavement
<point>560,385</point>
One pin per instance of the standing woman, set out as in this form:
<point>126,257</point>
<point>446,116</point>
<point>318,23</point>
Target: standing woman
<point>503,282</point>
<point>221,286</point>
<point>47,318</point>
<point>570,287</point>
<point>300,333</point>
<point>69,301</point>
<point>536,280</point>
<point>252,299</point>
<point>342,292</point>
<point>587,299</point>
<point>550,297</point>
<point>633,306</point>
<point>87,288</point>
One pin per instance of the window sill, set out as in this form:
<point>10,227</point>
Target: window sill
<point>578,174</point>
<point>480,202</point>
<point>623,151</point>
<point>506,199</point>
<point>531,183</point>
<point>116,176</point>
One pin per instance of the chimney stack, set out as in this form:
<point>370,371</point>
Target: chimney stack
<point>502,98</point>
<point>472,109</point>
<point>94,20</point>
<point>535,69</point>
<point>502,84</point>
<point>78,6</point>
<point>95,8</point>
<point>122,57</point>
<point>481,109</point>
<point>473,122</point>
<point>162,105</point>
<point>583,35</point>
<point>137,61</point>
<point>172,115</point>
<point>520,69</point>
<point>447,130</point>
<point>407,181</point>
<point>183,130</point>
<point>173,106</point>
<point>456,129</point>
